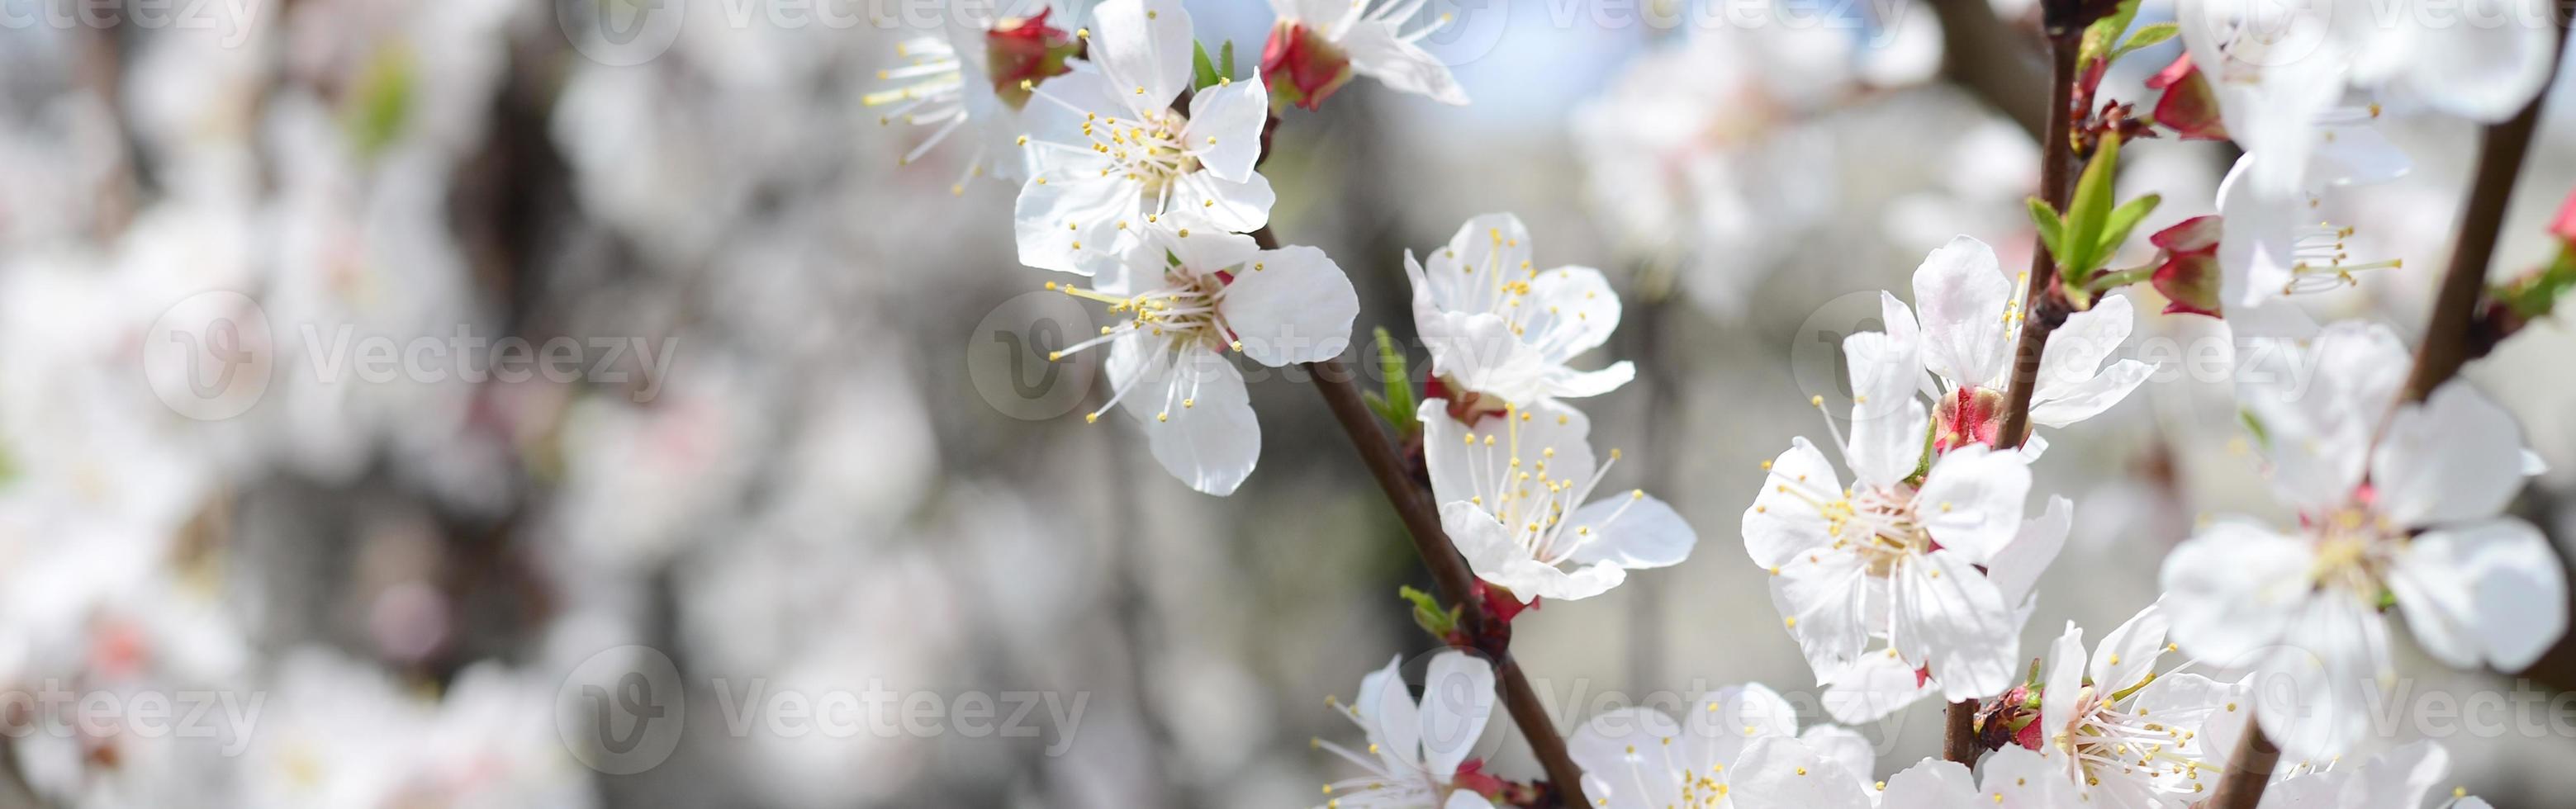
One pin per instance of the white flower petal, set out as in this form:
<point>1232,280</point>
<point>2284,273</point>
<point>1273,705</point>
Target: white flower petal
<point>1241,206</point>
<point>1785,773</point>
<point>2057,700</point>
<point>1224,131</point>
<point>1377,52</point>
<point>2458,456</point>
<point>1972,501</point>
<point>2235,588</point>
<point>2130,652</point>
<point>1873,687</point>
<point>1144,47</point>
<point>1813,592</point>
<point>1564,383</point>
<point>1624,758</point>
<point>1931,784</point>
<point>1842,746</point>
<point>1568,311</point>
<point>1644,533</point>
<point>2016,568</point>
<point>2016,778</point>
<point>1457,698</point>
<point>1960,292</point>
<point>1291,305</point>
<point>1781,524</point>
<point>1963,627</point>
<point>2488,590</point>
<point>1066,219</point>
<point>1195,413</point>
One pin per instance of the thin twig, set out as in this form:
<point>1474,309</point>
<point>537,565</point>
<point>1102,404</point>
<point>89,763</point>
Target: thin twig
<point>1449,571</point>
<point>2056,168</point>
<point>2249,769</point>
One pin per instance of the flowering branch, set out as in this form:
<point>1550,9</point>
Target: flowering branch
<point>2445,348</point>
<point>2065,31</point>
<point>1449,572</point>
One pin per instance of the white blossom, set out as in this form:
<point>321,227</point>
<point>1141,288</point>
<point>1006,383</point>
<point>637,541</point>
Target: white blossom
<point>2401,510</point>
<point>1417,749</point>
<point>1516,496</point>
<point>1499,327</point>
<point>1191,296</point>
<point>1112,156</point>
<point>1738,746</point>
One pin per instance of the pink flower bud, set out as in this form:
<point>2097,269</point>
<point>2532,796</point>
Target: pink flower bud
<point>1301,66</point>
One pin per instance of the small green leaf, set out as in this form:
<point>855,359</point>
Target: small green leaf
<point>2123,219</point>
<point>2147,36</point>
<point>1202,72</point>
<point>2050,226</point>
<point>1226,54</point>
<point>1428,614</point>
<point>1399,384</point>
<point>2089,213</point>
<point>2254,424</point>
<point>2099,36</point>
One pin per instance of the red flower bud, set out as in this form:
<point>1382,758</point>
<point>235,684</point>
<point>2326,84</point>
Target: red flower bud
<point>2187,270</point>
<point>2189,106</point>
<point>1025,49</point>
<point>1301,66</point>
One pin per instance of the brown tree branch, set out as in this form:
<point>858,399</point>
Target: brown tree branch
<point>2038,316</point>
<point>2446,337</point>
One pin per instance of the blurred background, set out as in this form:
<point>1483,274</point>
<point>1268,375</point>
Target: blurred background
<point>791,449</point>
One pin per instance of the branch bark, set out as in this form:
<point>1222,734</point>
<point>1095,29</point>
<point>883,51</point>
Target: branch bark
<point>2057,157</point>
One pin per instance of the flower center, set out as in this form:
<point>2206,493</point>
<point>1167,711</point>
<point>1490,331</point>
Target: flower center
<point>1188,309</point>
<point>1512,482</point>
<point>2353,548</point>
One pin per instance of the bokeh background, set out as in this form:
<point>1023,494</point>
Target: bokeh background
<point>842,468</point>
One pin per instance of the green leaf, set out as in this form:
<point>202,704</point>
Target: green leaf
<point>384,97</point>
<point>1399,404</point>
<point>1226,54</point>
<point>2123,219</point>
<point>2147,36</point>
<point>1428,614</point>
<point>2099,36</point>
<point>2089,213</point>
<point>1202,72</point>
<point>2050,226</point>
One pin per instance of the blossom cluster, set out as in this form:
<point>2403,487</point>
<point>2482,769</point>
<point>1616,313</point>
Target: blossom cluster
<point>1911,570</point>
